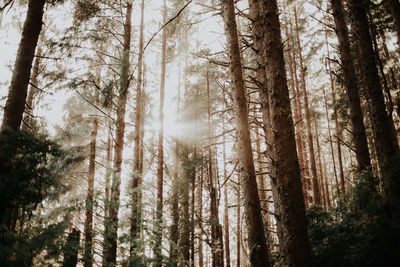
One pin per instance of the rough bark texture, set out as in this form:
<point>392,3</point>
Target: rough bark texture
<point>386,145</point>
<point>258,253</point>
<point>285,170</point>
<point>112,225</point>
<point>88,254</point>
<point>15,104</point>
<point>352,88</point>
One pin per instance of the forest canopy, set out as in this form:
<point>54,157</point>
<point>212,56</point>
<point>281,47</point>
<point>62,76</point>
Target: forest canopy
<point>199,133</point>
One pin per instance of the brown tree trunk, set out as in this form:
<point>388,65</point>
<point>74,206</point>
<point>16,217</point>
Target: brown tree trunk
<point>299,123</point>
<point>109,150</point>
<point>112,225</point>
<point>200,217</point>
<point>335,115</point>
<point>315,184</point>
<point>238,223</point>
<point>256,236</point>
<point>217,253</point>
<point>15,105</point>
<point>386,146</point>
<point>88,254</point>
<point>284,169</point>
<point>138,142</point>
<point>331,145</point>
<point>352,87</point>
<point>160,150</point>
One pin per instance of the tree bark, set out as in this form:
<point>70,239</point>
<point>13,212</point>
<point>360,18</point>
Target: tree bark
<point>15,105</point>
<point>256,236</point>
<point>352,87</point>
<point>386,146</point>
<point>284,170</point>
<point>112,225</point>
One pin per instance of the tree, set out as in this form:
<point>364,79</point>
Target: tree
<point>352,87</point>
<point>284,168</point>
<point>17,93</point>
<point>112,220</point>
<point>256,235</point>
<point>387,146</point>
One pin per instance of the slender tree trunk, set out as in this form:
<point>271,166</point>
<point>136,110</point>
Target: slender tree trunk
<point>331,145</point>
<point>299,122</point>
<point>88,254</point>
<point>256,236</point>
<point>160,149</point>
<point>315,184</point>
<point>112,226</point>
<point>352,87</point>
<point>15,105</point>
<point>226,207</point>
<point>138,142</point>
<point>284,169</point>
<point>386,145</point>
<point>238,223</point>
<point>200,217</point>
<point>335,115</point>
<point>109,171</point>
<point>217,253</point>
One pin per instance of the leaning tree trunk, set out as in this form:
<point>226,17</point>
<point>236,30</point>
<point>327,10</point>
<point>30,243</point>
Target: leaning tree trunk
<point>112,220</point>
<point>15,105</point>
<point>258,254</point>
<point>284,170</point>
<point>352,87</point>
<point>386,146</point>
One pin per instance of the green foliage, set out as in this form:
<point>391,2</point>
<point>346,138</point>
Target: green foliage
<point>19,249</point>
<point>362,231</point>
<point>32,170</point>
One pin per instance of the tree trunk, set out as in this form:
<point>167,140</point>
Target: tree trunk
<point>284,169</point>
<point>217,252</point>
<point>315,184</point>
<point>160,150</point>
<point>138,142</point>
<point>256,236</point>
<point>109,149</point>
<point>386,146</point>
<point>352,88</point>
<point>15,105</point>
<point>298,119</point>
<point>331,144</point>
<point>88,254</point>
<point>112,226</point>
